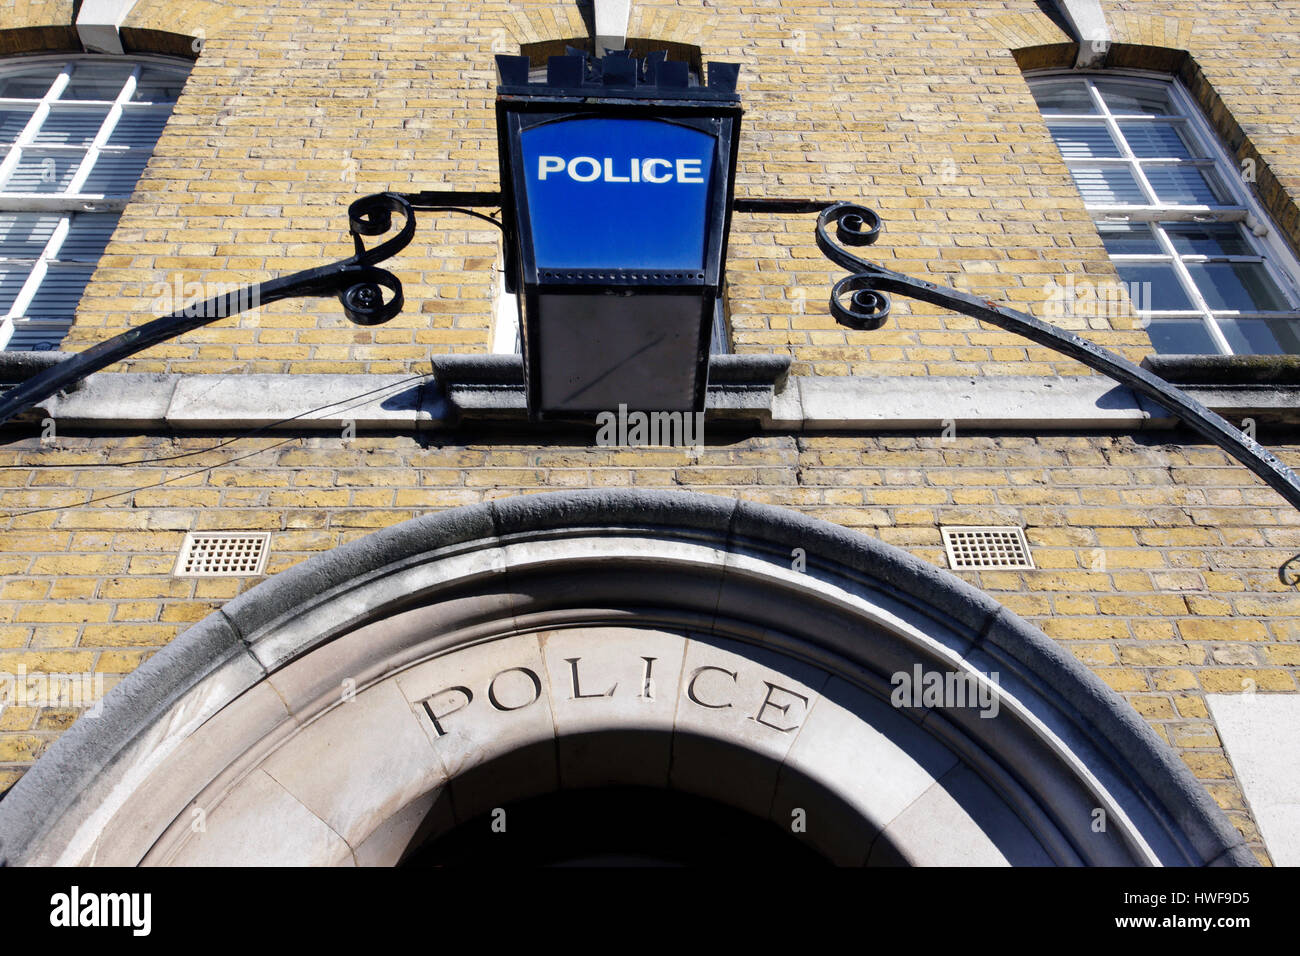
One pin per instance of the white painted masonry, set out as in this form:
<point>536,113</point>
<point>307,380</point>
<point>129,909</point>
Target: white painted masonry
<point>1088,23</point>
<point>611,24</point>
<point>812,404</point>
<point>1261,733</point>
<point>98,22</point>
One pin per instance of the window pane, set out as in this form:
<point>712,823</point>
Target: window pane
<point>1083,140</point>
<point>24,235</point>
<point>1260,337</point>
<point>88,234</point>
<point>59,292</point>
<point>1135,98</point>
<point>13,120</point>
<point>1238,286</point>
<point>36,173</point>
<point>77,126</point>
<point>1129,239</point>
<point>1208,239</point>
<point>1287,335</point>
<point>115,174</point>
<point>96,81</point>
<point>1063,97</point>
<point>29,84</point>
<point>1181,337</point>
<point>1184,185</point>
<point>1154,287</point>
<point>37,335</point>
<point>1156,140</point>
<point>158,85</point>
<point>139,127</point>
<point>11,281</point>
<point>1108,186</point>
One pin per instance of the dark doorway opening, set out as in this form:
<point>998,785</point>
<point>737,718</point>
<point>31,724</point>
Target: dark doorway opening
<point>617,826</point>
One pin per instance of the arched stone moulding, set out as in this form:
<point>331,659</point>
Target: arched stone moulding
<point>163,26</point>
<point>378,694</point>
<point>149,26</point>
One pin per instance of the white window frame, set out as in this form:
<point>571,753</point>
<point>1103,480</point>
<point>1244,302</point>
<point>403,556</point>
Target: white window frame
<point>1278,259</point>
<point>73,199</point>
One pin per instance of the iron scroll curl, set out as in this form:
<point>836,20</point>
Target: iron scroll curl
<point>872,284</point>
<point>363,300</point>
<point>357,282</point>
<point>859,301</point>
<point>856,301</point>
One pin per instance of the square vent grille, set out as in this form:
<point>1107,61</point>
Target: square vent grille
<point>208,554</point>
<point>987,549</point>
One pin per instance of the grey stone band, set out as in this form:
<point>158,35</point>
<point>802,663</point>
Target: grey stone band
<point>750,390</point>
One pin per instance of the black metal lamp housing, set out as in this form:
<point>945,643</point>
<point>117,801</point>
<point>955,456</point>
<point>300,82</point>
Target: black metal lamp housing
<point>617,178</point>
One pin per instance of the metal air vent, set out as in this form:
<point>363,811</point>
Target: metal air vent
<point>987,549</point>
<point>223,554</point>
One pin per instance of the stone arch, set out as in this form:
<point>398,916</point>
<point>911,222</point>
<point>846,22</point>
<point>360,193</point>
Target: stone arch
<point>162,27</point>
<point>543,24</point>
<point>545,31</point>
<point>560,23</point>
<point>176,29</point>
<point>383,693</point>
<point>39,26</point>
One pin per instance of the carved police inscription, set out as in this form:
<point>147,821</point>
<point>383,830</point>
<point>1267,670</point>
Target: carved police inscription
<point>709,686</point>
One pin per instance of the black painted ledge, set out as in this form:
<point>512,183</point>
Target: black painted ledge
<point>1226,370</point>
<point>491,387</point>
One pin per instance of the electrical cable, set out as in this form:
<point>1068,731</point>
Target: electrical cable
<point>228,441</point>
<point>200,471</point>
<point>156,484</point>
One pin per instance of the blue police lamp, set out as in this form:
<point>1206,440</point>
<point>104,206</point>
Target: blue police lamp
<point>617,178</point>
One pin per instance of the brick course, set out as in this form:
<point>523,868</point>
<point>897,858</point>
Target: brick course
<point>1157,561</point>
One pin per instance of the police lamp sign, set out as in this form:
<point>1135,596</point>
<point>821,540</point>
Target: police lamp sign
<point>616,181</point>
<point>606,193</point>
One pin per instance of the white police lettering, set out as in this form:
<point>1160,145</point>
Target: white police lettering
<point>586,169</point>
<point>647,170</point>
<point>548,164</point>
<point>590,169</point>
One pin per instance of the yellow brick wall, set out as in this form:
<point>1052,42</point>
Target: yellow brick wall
<point>919,109</point>
<point>177,16</point>
<point>15,14</point>
<point>31,25</point>
<point>1157,562</point>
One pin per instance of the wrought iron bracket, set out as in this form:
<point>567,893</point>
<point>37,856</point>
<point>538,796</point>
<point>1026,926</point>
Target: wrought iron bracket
<point>357,282</point>
<point>1288,574</point>
<point>861,301</point>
